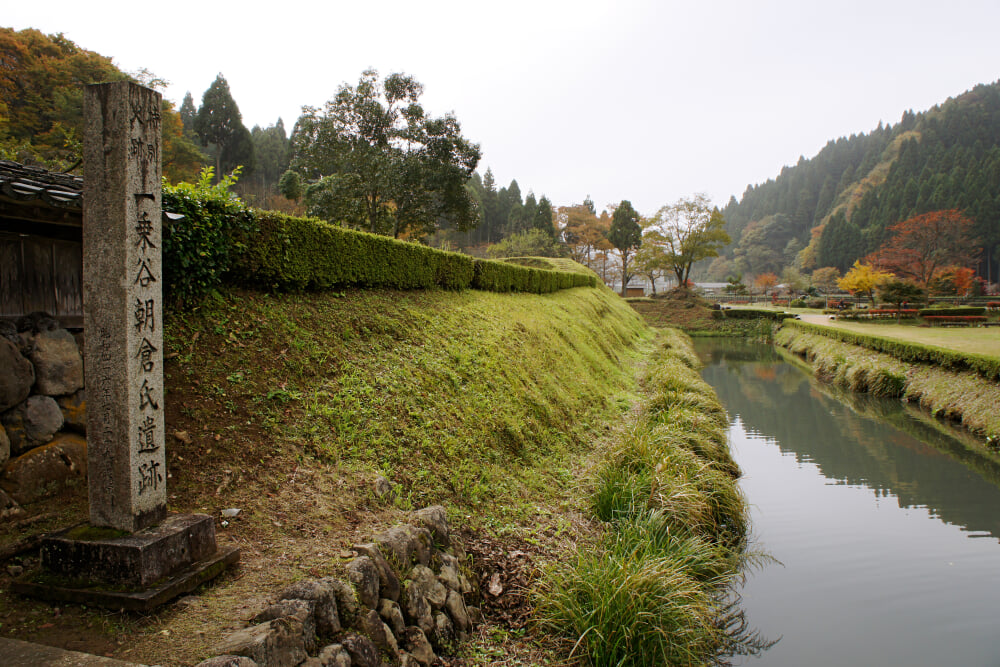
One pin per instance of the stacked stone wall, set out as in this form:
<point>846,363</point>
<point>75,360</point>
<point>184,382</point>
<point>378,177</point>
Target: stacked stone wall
<point>407,600</point>
<point>43,420</point>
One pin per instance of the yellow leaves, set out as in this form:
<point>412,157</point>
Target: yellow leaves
<point>863,278</point>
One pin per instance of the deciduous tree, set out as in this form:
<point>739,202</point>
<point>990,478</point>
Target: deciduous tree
<point>373,143</point>
<point>687,232</point>
<point>765,282</point>
<point>863,279</point>
<point>922,246</point>
<point>826,278</point>
<point>898,292</point>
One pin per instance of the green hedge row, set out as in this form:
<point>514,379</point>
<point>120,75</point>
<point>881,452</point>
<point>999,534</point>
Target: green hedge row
<point>987,367</point>
<point>957,310</point>
<point>753,314</point>
<point>289,253</point>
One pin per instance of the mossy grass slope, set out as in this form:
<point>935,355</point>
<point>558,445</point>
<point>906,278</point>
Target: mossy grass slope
<point>287,406</point>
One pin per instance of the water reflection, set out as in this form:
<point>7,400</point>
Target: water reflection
<point>858,444</point>
<point>871,516</point>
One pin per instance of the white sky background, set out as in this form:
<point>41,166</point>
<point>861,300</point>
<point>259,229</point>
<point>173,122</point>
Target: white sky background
<point>641,100</point>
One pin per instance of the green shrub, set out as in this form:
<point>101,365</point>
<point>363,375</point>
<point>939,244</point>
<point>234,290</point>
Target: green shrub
<point>957,311</point>
<point>221,240</point>
<point>797,303</point>
<point>754,314</point>
<point>201,250</point>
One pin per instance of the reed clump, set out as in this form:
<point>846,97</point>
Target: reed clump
<point>657,588</point>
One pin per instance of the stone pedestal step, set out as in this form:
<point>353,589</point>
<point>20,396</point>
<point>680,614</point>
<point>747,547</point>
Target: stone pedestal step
<point>16,653</point>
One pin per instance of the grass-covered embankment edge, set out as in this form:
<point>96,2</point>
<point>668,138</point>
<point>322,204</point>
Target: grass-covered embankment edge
<point>949,385</point>
<point>286,406</point>
<point>985,366</point>
<point>654,590</point>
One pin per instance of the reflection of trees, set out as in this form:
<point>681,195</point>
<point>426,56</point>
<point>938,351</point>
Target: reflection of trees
<point>856,439</point>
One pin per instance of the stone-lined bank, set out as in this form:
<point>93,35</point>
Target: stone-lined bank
<point>42,410</point>
<point>407,600</point>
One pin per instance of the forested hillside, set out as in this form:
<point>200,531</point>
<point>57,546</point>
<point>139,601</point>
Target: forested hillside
<point>836,207</point>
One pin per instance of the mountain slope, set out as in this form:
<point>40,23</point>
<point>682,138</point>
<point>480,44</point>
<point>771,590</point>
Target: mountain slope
<point>946,157</point>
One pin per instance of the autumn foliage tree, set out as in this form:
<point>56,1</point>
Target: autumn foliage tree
<point>583,232</point>
<point>862,279</point>
<point>765,282</point>
<point>41,103</point>
<point>923,246</point>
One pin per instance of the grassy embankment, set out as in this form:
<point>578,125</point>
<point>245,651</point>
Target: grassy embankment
<point>494,405</point>
<point>962,396</point>
<point>684,309</point>
<point>974,340</point>
<point>288,406</point>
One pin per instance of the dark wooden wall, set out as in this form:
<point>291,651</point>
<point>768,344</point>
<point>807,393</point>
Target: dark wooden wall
<point>40,273</point>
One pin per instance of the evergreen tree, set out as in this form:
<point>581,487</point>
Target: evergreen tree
<point>188,113</point>
<point>625,235</point>
<point>220,124</point>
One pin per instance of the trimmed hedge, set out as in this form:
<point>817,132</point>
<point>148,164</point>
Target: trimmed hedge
<point>959,311</point>
<point>955,319</point>
<point>753,314</point>
<point>877,314</point>
<point>290,253</point>
<point>986,367</point>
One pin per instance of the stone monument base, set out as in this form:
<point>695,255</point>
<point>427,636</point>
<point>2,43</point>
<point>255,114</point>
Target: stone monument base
<point>137,571</point>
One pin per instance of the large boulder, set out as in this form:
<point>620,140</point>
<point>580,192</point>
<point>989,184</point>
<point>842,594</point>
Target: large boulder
<point>16,375</point>
<point>422,579</point>
<point>334,655</point>
<point>405,545</point>
<point>277,643</point>
<point>324,595</point>
<point>388,581</point>
<point>46,470</point>
<point>362,650</point>
<point>392,615</point>
<point>434,519</point>
<point>32,422</point>
<point>455,606</point>
<point>443,636</point>
<point>57,361</point>
<point>303,610</point>
<point>4,447</point>
<point>74,409</point>
<point>416,644</point>
<point>348,607</point>
<point>416,609</point>
<point>228,661</point>
<point>364,577</point>
<point>380,633</point>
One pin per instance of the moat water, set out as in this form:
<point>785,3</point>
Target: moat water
<point>887,529</point>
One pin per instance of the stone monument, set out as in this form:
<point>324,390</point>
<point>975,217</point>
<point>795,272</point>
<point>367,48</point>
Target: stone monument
<point>133,554</point>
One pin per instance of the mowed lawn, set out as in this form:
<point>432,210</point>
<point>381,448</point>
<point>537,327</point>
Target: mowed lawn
<point>980,340</point>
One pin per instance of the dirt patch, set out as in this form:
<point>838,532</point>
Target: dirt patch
<point>679,308</point>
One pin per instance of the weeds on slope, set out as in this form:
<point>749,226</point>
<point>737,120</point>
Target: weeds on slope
<point>657,590</point>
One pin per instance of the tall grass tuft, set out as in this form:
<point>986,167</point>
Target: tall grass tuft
<point>657,589</point>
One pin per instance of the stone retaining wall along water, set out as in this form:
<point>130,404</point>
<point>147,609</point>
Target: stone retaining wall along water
<point>407,599</point>
<point>42,410</point>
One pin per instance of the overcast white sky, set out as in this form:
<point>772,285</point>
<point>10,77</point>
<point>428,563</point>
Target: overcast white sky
<point>641,100</point>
